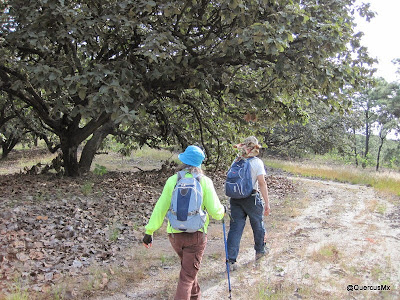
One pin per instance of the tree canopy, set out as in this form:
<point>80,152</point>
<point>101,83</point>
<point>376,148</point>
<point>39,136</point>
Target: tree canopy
<point>175,71</point>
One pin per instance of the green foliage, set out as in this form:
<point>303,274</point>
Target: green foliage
<point>392,157</point>
<point>17,124</point>
<point>87,188</point>
<point>175,72</point>
<point>100,170</point>
<point>322,132</point>
<point>389,156</point>
<point>377,106</point>
<point>359,135</point>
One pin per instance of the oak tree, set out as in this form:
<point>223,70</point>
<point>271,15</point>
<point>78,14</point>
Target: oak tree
<point>175,71</point>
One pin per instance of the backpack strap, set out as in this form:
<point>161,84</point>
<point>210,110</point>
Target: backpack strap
<point>197,176</point>
<point>181,174</point>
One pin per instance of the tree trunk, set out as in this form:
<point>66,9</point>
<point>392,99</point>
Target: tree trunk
<point>367,135</point>
<point>379,153</point>
<point>93,145</point>
<point>355,147</point>
<point>70,159</point>
<point>7,146</point>
<point>71,136</point>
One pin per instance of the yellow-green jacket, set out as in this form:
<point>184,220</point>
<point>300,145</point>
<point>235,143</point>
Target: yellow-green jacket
<point>210,202</point>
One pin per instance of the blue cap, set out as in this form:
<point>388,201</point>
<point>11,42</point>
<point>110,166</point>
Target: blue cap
<point>193,156</point>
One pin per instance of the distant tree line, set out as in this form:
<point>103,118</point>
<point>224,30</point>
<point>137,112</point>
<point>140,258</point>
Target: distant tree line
<point>367,134</point>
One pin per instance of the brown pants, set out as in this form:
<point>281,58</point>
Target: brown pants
<point>190,249</point>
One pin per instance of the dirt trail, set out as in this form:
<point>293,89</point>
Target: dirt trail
<point>326,238</point>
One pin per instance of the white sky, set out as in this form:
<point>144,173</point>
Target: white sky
<point>381,36</point>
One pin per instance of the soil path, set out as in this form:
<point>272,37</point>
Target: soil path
<point>326,240</point>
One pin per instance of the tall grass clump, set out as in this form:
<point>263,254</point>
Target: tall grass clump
<point>389,185</point>
<point>384,182</point>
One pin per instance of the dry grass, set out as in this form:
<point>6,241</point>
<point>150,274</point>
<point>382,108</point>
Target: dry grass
<point>19,159</point>
<point>373,206</point>
<point>144,159</point>
<point>386,181</point>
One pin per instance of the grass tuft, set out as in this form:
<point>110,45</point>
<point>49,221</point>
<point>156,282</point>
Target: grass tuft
<point>18,292</point>
<point>328,253</point>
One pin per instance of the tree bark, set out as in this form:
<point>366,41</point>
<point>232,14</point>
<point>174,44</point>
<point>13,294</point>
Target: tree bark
<point>72,136</point>
<point>367,134</point>
<point>355,147</point>
<point>91,147</point>
<point>379,153</point>
<point>70,159</point>
<point>7,146</point>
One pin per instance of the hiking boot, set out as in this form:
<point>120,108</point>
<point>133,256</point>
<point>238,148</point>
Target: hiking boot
<point>259,256</point>
<point>232,266</point>
<point>262,254</point>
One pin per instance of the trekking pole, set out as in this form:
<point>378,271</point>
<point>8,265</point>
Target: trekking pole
<point>227,260</point>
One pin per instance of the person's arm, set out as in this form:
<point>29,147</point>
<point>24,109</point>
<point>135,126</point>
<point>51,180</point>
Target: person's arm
<point>211,201</point>
<point>262,184</point>
<point>161,207</point>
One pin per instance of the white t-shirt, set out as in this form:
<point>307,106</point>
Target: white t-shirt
<point>257,168</point>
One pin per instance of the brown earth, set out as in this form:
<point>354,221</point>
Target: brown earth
<point>65,238</point>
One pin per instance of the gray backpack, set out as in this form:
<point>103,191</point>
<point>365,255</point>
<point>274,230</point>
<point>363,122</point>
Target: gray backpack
<point>186,213</point>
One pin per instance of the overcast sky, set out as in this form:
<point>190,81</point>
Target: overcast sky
<point>382,36</point>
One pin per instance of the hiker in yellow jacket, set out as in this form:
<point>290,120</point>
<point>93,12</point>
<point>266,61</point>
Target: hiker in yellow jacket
<point>189,246</point>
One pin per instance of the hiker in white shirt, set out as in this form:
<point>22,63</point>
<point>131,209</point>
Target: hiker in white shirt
<point>254,206</point>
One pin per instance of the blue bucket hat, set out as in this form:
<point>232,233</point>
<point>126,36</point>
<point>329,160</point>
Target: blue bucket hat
<point>193,156</point>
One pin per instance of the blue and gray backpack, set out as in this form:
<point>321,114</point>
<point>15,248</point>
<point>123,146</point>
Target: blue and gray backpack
<point>238,182</point>
<point>186,213</point>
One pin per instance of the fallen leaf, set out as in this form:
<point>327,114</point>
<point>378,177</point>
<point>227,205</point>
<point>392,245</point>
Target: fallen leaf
<point>22,257</point>
<point>36,255</point>
<point>19,244</point>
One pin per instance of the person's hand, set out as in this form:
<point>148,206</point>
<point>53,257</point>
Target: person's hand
<point>267,209</point>
<point>148,240</point>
